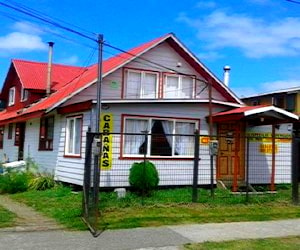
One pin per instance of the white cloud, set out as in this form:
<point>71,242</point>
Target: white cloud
<point>209,56</point>
<point>27,27</point>
<point>21,41</point>
<point>267,87</point>
<point>72,60</point>
<point>256,38</point>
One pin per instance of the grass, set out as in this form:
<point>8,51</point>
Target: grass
<point>7,218</point>
<point>271,243</point>
<point>164,207</point>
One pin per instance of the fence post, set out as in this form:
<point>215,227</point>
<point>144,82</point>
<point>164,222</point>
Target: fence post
<point>196,167</point>
<point>145,158</point>
<point>295,169</point>
<point>247,169</point>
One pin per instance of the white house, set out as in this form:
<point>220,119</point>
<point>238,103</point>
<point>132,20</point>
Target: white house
<point>159,86</point>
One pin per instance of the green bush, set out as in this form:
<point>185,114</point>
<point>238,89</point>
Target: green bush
<point>14,182</point>
<point>42,182</point>
<point>143,177</point>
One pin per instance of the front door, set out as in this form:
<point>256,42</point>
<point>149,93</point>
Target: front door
<point>232,150</point>
<point>20,139</point>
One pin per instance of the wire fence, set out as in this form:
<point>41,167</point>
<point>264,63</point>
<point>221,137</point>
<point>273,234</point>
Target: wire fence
<point>232,167</point>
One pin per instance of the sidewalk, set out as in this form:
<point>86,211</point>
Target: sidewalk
<point>163,238</point>
<point>27,218</point>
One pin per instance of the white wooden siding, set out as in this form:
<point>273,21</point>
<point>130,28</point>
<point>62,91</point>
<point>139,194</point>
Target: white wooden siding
<point>9,149</point>
<point>163,55</point>
<point>69,169</point>
<point>46,160</point>
<point>260,164</point>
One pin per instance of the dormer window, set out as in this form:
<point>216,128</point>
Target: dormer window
<point>178,86</point>
<point>11,96</point>
<point>24,95</point>
<point>141,84</point>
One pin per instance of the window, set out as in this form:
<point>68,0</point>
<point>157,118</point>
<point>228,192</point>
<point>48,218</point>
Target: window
<point>290,102</point>
<point>168,137</point>
<point>24,95</point>
<point>46,133</point>
<point>10,131</point>
<point>73,136</point>
<point>17,134</point>
<point>278,101</point>
<point>178,86</point>
<point>141,84</point>
<point>256,102</point>
<point>1,136</point>
<point>11,96</point>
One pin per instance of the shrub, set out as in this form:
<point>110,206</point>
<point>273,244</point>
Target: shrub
<point>14,182</point>
<point>143,177</point>
<point>42,182</point>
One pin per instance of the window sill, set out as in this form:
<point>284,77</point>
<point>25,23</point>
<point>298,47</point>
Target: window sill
<point>72,156</point>
<point>43,149</point>
<point>173,158</point>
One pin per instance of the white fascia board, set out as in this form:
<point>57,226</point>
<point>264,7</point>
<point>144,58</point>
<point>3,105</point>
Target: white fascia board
<point>207,70</point>
<point>271,108</point>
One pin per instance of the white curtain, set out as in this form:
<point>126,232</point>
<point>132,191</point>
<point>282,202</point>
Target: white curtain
<point>184,145</point>
<point>171,87</point>
<point>133,84</point>
<point>132,143</point>
<point>149,85</point>
<point>187,87</point>
<point>168,129</point>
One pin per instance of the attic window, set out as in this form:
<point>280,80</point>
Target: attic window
<point>24,95</point>
<point>11,96</point>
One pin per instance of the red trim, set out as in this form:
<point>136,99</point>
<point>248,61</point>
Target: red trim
<point>169,158</point>
<point>124,70</point>
<point>22,118</point>
<point>81,132</point>
<point>228,118</point>
<point>77,107</point>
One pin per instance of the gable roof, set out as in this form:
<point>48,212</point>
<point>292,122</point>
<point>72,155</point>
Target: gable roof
<point>254,111</point>
<point>279,91</point>
<point>72,80</point>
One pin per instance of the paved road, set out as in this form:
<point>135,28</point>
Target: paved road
<point>165,238</point>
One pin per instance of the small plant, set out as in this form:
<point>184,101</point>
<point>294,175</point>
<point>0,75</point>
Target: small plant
<point>143,177</point>
<point>42,182</point>
<point>14,182</point>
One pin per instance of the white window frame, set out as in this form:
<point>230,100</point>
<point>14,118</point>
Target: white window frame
<point>150,119</point>
<point>143,74</point>
<point>179,86</point>
<point>11,96</point>
<point>67,141</point>
<point>24,95</point>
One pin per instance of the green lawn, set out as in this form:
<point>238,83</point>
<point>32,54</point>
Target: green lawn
<point>289,243</point>
<point>164,207</point>
<point>7,218</point>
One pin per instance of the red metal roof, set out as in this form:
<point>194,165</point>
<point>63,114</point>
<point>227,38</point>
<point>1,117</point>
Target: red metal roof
<point>33,74</point>
<point>240,110</point>
<point>68,80</point>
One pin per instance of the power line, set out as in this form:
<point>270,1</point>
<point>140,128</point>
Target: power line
<point>293,1</point>
<point>47,21</point>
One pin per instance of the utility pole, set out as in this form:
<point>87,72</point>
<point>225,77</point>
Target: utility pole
<point>99,82</point>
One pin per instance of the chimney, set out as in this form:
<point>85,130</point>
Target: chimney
<point>49,70</point>
<point>226,75</point>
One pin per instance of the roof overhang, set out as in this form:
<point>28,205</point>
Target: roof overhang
<point>256,115</point>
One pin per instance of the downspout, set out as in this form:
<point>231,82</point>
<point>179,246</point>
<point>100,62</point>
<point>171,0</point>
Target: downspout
<point>49,69</point>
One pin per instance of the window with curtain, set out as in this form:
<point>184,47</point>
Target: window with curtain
<point>166,137</point>
<point>1,136</point>
<point>178,86</point>
<point>141,84</point>
<point>73,136</point>
<point>11,96</point>
<point>46,133</point>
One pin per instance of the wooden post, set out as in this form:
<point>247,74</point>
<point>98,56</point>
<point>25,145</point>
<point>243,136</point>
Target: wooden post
<point>236,155</point>
<point>272,186</point>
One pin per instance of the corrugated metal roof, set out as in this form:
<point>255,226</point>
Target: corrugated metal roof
<point>69,79</point>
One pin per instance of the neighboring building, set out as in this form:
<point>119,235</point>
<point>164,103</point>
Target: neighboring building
<point>288,99</point>
<point>159,86</point>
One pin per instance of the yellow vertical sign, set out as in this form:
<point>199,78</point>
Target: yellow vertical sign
<point>106,126</point>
